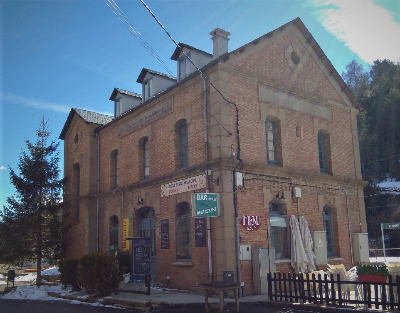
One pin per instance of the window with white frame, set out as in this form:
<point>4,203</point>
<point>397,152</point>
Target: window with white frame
<point>184,66</point>
<point>279,231</point>
<point>147,89</point>
<point>273,146</point>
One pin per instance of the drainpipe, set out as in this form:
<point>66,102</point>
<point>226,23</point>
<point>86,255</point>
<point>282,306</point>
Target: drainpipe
<point>208,219</point>
<point>97,192</point>
<point>349,226</point>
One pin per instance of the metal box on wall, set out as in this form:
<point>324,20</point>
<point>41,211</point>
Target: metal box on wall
<point>263,261</point>
<point>320,248</point>
<point>360,247</point>
<point>245,252</point>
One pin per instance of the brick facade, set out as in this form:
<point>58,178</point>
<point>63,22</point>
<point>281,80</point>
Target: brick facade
<point>282,76</point>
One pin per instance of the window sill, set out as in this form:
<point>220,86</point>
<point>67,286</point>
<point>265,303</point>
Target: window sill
<point>283,261</point>
<point>335,258</point>
<point>182,263</point>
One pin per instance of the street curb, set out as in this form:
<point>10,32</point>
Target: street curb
<point>149,305</point>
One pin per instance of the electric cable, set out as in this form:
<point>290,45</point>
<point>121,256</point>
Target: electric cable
<point>113,6</point>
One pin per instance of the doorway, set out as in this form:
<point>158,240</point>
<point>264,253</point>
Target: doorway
<point>147,228</point>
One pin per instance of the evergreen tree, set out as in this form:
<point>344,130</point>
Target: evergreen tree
<point>31,223</point>
<point>378,92</point>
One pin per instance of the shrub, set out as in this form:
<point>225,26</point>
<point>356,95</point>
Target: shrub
<point>98,273</point>
<point>124,262</point>
<point>371,269</point>
<point>69,273</point>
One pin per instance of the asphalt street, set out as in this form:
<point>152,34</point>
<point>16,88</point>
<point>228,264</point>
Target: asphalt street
<point>28,306</point>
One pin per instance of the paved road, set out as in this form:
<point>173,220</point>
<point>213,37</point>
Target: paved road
<point>28,306</point>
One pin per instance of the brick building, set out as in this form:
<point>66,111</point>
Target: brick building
<point>269,127</point>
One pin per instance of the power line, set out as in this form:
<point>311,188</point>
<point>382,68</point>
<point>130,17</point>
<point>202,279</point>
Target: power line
<point>125,20</point>
<point>204,77</point>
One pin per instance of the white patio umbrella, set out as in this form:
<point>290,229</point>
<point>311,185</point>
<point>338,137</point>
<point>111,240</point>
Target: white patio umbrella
<point>299,259</point>
<point>307,243</point>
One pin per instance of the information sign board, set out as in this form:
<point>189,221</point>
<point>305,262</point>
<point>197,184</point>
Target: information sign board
<point>206,204</point>
<point>391,225</point>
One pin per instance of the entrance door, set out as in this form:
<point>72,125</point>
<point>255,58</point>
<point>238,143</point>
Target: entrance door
<point>147,228</point>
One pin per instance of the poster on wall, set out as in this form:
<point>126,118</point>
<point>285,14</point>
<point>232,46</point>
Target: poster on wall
<point>200,232</point>
<point>126,234</point>
<point>251,222</point>
<point>164,234</point>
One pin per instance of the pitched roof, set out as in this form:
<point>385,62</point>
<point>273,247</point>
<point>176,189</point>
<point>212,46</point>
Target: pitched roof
<point>179,49</point>
<point>88,116</point>
<point>146,70</point>
<point>124,92</point>
<point>317,49</point>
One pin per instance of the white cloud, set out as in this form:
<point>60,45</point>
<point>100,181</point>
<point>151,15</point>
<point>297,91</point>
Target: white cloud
<point>3,168</point>
<point>35,103</point>
<point>366,28</point>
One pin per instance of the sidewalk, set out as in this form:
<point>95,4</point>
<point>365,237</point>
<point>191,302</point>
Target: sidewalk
<point>169,298</point>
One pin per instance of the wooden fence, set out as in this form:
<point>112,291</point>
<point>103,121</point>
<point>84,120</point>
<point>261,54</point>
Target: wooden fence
<point>331,290</point>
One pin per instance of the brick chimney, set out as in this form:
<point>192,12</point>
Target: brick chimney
<point>220,39</point>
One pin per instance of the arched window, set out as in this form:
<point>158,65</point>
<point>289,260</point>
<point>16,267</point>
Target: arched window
<point>327,220</point>
<point>182,144</point>
<point>113,234</point>
<point>279,231</point>
<point>182,227</point>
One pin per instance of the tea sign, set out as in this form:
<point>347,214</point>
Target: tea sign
<point>206,204</point>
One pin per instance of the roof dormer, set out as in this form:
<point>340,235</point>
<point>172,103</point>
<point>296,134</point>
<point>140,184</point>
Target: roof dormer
<point>153,83</point>
<point>184,66</point>
<point>124,101</point>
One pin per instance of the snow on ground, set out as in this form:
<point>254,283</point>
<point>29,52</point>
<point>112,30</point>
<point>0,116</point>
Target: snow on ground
<point>32,276</point>
<point>32,292</point>
<point>391,186</point>
<point>381,259</point>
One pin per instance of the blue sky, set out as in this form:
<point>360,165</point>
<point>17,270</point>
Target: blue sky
<point>56,55</point>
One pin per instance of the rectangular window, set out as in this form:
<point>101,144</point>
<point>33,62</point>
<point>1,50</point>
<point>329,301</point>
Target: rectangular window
<point>117,107</point>
<point>184,66</point>
<point>182,228</point>
<point>114,173</point>
<point>322,153</point>
<point>77,171</point>
<point>147,88</point>
<point>270,129</point>
<point>183,145</point>
<point>279,236</point>
<point>146,158</point>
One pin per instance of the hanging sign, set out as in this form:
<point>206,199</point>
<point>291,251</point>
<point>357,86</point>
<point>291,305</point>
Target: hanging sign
<point>251,222</point>
<point>206,204</point>
<point>184,185</point>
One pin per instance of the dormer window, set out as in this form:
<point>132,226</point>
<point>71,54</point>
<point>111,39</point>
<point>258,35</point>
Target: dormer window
<point>184,66</point>
<point>147,88</point>
<point>117,107</point>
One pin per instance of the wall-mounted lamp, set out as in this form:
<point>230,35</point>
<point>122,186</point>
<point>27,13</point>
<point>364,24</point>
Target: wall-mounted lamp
<point>280,195</point>
<point>140,200</point>
<point>216,181</point>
